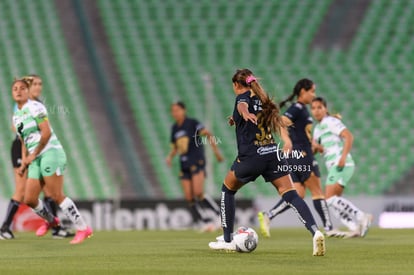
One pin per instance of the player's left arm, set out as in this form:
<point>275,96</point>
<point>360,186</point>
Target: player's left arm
<point>287,142</point>
<point>213,142</point>
<point>348,139</point>
<point>243,109</point>
<point>42,122</point>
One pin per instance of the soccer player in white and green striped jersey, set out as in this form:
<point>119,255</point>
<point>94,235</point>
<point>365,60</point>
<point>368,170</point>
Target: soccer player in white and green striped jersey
<point>44,157</point>
<point>334,141</point>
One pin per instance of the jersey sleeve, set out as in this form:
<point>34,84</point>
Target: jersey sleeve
<point>293,112</point>
<point>336,126</point>
<point>242,98</point>
<point>39,112</point>
<point>198,125</point>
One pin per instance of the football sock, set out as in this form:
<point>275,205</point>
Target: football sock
<point>323,211</point>
<point>346,211</point>
<point>51,205</point>
<point>227,207</point>
<point>43,212</point>
<point>71,211</point>
<point>208,202</point>
<point>195,211</point>
<point>201,212</point>
<point>279,208</point>
<point>302,210</point>
<point>11,211</point>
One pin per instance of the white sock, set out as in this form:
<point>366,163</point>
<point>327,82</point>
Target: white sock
<point>42,211</point>
<point>71,211</point>
<point>346,211</point>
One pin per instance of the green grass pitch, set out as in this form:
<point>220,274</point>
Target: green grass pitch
<point>289,251</point>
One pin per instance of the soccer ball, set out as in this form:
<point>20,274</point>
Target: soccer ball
<point>246,239</point>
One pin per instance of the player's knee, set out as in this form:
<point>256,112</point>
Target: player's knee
<point>30,201</point>
<point>188,197</point>
<point>225,189</point>
<point>199,195</point>
<point>19,197</point>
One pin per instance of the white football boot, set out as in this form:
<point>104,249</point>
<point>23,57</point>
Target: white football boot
<point>319,247</point>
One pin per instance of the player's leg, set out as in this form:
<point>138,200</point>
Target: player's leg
<point>53,164</point>
<point>57,231</point>
<point>205,199</point>
<point>282,206</point>
<point>349,214</point>
<point>285,188</point>
<point>54,187</point>
<point>31,198</point>
<point>197,184</point>
<point>194,207</point>
<point>313,183</point>
<point>227,205</point>
<point>17,198</point>
<point>264,217</point>
<point>32,191</point>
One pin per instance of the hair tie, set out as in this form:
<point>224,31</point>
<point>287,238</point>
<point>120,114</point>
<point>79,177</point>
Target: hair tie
<point>250,79</point>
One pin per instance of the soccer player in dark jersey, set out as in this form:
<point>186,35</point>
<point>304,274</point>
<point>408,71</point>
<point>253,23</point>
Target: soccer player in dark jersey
<point>302,164</point>
<point>256,117</point>
<point>35,92</point>
<point>187,141</point>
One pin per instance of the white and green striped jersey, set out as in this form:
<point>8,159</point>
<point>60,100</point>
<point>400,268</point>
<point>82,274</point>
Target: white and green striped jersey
<point>26,121</point>
<point>327,133</point>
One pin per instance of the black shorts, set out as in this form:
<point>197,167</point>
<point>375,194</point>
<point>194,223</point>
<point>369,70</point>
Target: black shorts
<point>16,153</point>
<point>189,170</point>
<point>301,166</point>
<point>250,169</point>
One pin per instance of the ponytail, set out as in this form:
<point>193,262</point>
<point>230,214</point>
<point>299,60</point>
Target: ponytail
<point>304,83</point>
<point>270,111</point>
<point>289,99</point>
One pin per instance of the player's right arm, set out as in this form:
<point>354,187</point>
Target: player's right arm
<point>171,154</point>
<point>23,165</point>
<point>243,109</point>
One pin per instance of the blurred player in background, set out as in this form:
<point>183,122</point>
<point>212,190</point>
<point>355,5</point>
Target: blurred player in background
<point>256,117</point>
<point>334,141</point>
<point>44,158</point>
<point>187,141</point>
<point>302,164</point>
<point>35,92</point>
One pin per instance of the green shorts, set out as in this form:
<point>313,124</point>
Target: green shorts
<point>340,176</point>
<point>51,162</point>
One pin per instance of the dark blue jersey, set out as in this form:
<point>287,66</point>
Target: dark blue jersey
<point>252,140</point>
<point>186,139</point>
<point>301,128</point>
